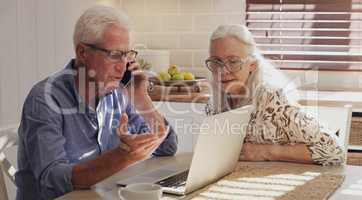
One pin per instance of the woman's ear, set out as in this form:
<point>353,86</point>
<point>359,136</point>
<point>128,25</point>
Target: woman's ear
<point>253,66</point>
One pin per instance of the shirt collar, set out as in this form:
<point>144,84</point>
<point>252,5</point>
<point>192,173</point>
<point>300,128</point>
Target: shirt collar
<point>70,81</point>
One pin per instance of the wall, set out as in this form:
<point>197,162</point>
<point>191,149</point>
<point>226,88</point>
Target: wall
<point>182,26</point>
<point>36,40</point>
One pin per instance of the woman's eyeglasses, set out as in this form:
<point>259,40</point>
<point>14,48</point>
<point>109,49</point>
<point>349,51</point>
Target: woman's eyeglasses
<point>115,55</point>
<point>231,65</point>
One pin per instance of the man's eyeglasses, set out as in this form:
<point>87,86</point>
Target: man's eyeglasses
<point>231,65</point>
<point>115,55</point>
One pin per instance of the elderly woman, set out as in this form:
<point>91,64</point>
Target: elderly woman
<point>278,130</point>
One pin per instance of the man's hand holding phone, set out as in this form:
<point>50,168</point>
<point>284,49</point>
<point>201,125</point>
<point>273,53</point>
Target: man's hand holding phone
<point>137,80</point>
<point>137,93</point>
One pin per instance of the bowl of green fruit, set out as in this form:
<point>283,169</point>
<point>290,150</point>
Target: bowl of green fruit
<point>174,77</point>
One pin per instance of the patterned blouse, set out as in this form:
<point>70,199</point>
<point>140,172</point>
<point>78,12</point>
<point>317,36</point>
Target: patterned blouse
<point>276,121</point>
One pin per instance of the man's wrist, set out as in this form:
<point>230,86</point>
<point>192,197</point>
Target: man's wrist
<point>124,154</point>
<point>143,103</point>
<point>141,94</point>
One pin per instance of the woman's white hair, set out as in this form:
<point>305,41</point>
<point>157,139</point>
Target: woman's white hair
<point>92,23</point>
<point>265,73</point>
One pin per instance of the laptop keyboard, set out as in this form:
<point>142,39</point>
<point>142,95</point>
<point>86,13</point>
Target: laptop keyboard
<point>175,180</point>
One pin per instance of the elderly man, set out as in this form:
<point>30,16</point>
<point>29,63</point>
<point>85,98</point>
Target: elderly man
<point>80,125</point>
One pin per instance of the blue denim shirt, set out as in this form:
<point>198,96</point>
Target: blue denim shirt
<point>57,131</point>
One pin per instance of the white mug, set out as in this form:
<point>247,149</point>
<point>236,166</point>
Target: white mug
<point>140,191</point>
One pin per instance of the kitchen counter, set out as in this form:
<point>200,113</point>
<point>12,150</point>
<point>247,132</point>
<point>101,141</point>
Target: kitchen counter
<point>332,98</point>
<point>307,97</point>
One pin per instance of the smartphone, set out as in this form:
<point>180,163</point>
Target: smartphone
<point>127,76</point>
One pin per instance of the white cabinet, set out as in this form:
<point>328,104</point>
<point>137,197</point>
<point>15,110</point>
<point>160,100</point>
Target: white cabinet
<point>185,118</point>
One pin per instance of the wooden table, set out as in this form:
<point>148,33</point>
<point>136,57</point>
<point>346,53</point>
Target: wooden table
<point>107,189</point>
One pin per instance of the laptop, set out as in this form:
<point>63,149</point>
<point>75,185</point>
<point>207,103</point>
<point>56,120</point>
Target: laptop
<point>216,154</point>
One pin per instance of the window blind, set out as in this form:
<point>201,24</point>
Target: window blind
<point>308,34</point>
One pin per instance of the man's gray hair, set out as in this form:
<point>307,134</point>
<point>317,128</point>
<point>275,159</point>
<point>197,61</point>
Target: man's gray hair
<point>92,23</point>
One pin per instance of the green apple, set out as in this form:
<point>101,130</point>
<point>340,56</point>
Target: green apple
<point>177,77</point>
<point>173,69</point>
<point>164,76</point>
<point>188,76</point>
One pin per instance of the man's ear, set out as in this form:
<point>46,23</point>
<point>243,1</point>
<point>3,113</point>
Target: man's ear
<point>81,52</point>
